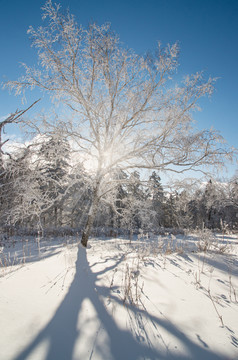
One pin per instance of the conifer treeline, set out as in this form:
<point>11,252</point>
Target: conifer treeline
<point>41,187</point>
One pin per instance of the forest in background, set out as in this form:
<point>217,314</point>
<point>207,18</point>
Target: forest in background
<point>44,189</point>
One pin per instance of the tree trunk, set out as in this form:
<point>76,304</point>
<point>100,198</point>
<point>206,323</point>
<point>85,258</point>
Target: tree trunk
<point>87,230</point>
<point>91,216</point>
<point>55,215</point>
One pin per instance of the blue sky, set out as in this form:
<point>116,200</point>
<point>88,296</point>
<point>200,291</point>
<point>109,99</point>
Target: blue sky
<point>207,31</point>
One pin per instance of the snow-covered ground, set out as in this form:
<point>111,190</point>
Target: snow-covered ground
<point>149,298</point>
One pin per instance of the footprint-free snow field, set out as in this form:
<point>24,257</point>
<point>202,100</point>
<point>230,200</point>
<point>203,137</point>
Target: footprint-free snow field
<point>168,297</point>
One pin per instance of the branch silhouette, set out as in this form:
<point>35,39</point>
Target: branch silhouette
<point>62,332</point>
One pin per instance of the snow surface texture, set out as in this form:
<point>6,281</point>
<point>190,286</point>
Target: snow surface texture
<point>149,298</point>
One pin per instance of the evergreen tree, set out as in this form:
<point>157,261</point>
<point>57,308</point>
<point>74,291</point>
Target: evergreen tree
<point>135,213</point>
<point>155,194</point>
<point>53,167</point>
<point>170,220</point>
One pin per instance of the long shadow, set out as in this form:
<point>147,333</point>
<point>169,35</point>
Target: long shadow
<point>62,332</point>
<point>224,262</point>
<point>28,251</point>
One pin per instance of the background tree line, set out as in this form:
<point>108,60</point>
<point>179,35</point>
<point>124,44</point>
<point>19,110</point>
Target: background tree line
<point>42,187</point>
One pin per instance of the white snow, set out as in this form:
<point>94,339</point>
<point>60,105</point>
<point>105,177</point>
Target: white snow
<point>151,298</point>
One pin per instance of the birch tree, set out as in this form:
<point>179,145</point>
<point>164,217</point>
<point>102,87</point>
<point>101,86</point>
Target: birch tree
<point>125,112</point>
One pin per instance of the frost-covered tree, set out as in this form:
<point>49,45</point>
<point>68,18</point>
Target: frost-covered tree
<point>169,208</point>
<point>25,201</point>
<point>182,211</point>
<point>114,201</point>
<point>155,194</point>
<point>223,201</point>
<point>135,211</point>
<point>78,197</point>
<point>211,203</point>
<point>6,171</point>
<point>233,201</point>
<point>53,168</point>
<point>197,210</point>
<point>126,113</point>
<point>232,188</point>
<point>13,118</point>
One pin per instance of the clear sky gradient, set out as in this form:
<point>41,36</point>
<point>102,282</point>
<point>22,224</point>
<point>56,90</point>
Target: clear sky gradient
<point>207,31</point>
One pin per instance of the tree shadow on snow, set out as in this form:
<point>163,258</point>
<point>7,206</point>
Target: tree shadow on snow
<point>224,262</point>
<point>62,332</point>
